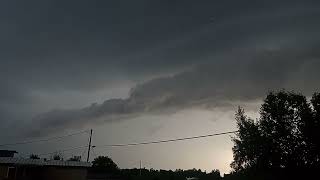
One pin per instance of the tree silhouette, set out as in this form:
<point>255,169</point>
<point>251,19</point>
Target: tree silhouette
<point>105,164</point>
<point>247,148</point>
<point>75,158</point>
<point>57,156</point>
<point>34,156</point>
<point>286,136</point>
<point>312,129</point>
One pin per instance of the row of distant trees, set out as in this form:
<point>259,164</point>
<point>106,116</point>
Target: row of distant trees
<point>179,174</point>
<point>56,156</point>
<point>105,164</point>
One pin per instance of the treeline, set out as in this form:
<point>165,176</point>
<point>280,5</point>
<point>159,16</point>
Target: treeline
<point>104,166</point>
<point>179,174</point>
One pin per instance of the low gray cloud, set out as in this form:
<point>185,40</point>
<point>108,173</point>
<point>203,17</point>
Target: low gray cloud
<point>246,76</point>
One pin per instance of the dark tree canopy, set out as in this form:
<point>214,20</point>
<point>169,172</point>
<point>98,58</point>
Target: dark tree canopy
<point>34,156</point>
<point>286,136</point>
<point>57,156</point>
<point>75,158</point>
<point>104,163</point>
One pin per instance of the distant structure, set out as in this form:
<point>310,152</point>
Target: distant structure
<point>12,168</point>
<point>7,153</point>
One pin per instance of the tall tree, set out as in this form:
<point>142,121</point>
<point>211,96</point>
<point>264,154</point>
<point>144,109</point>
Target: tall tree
<point>312,131</point>
<point>285,136</point>
<point>245,154</point>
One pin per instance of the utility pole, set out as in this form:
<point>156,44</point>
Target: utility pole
<point>88,156</point>
<point>140,167</point>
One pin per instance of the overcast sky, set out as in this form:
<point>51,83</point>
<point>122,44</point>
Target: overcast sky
<point>146,70</point>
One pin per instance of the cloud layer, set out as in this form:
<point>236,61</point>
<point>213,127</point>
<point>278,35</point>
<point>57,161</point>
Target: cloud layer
<point>210,85</point>
<point>180,54</point>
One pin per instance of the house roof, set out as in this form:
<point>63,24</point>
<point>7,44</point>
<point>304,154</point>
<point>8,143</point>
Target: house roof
<point>42,162</point>
<point>8,151</point>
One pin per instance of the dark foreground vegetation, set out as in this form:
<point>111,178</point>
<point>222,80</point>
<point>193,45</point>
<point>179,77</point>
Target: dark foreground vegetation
<point>105,165</point>
<point>134,174</point>
<point>283,143</point>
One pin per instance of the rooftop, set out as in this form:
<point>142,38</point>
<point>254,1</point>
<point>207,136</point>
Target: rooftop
<point>7,153</point>
<point>42,162</point>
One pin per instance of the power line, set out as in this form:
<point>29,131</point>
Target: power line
<point>142,143</point>
<point>164,141</point>
<point>44,140</point>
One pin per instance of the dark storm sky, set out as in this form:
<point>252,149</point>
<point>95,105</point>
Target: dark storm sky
<point>68,65</point>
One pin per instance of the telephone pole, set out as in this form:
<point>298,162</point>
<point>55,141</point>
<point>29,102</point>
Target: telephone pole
<point>140,167</point>
<point>88,156</point>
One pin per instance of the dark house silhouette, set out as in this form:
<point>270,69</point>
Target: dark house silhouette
<point>7,153</point>
<point>12,168</point>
